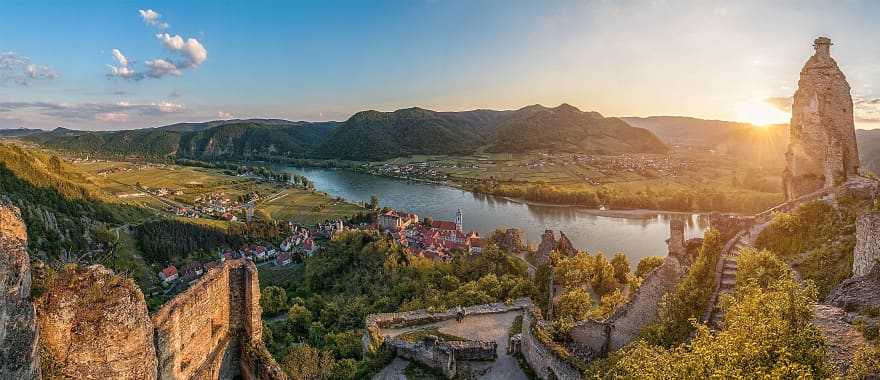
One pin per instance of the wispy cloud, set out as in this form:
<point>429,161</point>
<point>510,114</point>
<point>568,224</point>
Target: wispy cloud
<point>123,70</point>
<point>224,115</point>
<point>107,112</point>
<point>19,69</point>
<point>866,110</point>
<point>152,17</point>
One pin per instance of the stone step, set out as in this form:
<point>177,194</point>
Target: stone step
<point>728,282</point>
<point>730,264</point>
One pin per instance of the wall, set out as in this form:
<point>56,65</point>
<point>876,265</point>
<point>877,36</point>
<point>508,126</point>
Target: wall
<point>18,328</point>
<point>539,354</point>
<point>200,334</point>
<point>867,250</point>
<point>602,337</point>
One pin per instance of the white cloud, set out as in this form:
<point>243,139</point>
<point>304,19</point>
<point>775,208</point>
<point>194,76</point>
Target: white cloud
<point>866,110</point>
<point>19,69</point>
<point>120,58</point>
<point>158,68</point>
<point>191,49</point>
<point>224,115</point>
<point>123,70</point>
<point>112,117</point>
<point>152,17</point>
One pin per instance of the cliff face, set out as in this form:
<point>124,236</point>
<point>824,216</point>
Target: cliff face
<point>822,149</point>
<point>94,325</point>
<point>18,330</point>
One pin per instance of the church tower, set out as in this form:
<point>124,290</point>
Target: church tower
<point>459,220</point>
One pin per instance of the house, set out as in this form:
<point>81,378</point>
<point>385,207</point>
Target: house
<point>309,246</point>
<point>168,274</point>
<point>476,244</point>
<point>283,259</point>
<point>395,221</point>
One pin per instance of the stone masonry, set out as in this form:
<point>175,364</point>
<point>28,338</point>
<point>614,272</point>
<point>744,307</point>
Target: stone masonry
<point>822,150</point>
<point>867,251</point>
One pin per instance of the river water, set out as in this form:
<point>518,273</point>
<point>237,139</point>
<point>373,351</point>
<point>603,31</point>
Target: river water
<point>636,237</point>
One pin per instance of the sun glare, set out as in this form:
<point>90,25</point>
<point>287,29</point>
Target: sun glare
<point>761,114</point>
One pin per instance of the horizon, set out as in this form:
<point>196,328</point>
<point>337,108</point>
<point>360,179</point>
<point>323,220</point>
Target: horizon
<point>142,66</point>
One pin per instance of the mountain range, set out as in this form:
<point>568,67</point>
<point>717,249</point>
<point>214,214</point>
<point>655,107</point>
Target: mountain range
<point>372,135</point>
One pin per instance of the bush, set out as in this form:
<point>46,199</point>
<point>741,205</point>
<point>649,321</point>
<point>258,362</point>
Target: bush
<point>647,264</point>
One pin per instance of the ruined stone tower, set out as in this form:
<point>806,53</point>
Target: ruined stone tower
<point>822,151</point>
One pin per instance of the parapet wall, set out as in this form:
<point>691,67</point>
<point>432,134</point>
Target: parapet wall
<point>201,333</point>
<point>547,361</point>
<point>602,337</point>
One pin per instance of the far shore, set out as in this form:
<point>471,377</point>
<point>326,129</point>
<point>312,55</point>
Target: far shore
<point>639,213</point>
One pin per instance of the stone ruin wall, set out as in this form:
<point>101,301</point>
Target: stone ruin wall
<point>94,324</point>
<point>539,355</point>
<point>203,332</point>
<point>602,337</point>
<point>19,357</point>
<point>866,254</point>
<point>822,150</point>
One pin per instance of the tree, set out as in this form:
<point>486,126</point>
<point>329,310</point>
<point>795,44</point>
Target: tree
<point>603,280</point>
<point>374,202</point>
<point>574,304</point>
<point>299,319</point>
<point>303,362</point>
<point>273,300</point>
<point>647,264</point>
<point>621,267</point>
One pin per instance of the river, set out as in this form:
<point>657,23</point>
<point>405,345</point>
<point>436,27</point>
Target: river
<point>636,237</point>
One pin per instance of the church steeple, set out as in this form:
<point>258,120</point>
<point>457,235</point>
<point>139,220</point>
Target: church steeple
<point>459,220</point>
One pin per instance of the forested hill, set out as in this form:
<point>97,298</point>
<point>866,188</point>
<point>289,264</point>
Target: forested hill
<point>256,138</point>
<point>374,135</point>
<point>568,129</point>
<point>371,135</point>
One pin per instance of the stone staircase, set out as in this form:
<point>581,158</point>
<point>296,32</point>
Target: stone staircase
<point>728,279</point>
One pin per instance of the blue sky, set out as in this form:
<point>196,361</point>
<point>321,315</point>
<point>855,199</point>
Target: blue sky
<point>326,60</point>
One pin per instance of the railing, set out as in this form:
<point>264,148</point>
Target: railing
<point>788,206</point>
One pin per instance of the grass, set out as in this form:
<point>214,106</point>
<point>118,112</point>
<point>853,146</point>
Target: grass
<point>307,207</point>
<point>418,335</point>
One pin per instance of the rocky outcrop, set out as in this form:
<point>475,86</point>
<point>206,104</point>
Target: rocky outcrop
<point>822,150</point>
<point>843,339</point>
<point>512,241</point>
<point>564,245</point>
<point>94,325</point>
<point>548,244</point>
<point>18,329</point>
<point>857,293</point>
<point>866,254</point>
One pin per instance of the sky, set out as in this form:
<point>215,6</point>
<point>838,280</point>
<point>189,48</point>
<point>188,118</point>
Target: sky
<point>102,65</point>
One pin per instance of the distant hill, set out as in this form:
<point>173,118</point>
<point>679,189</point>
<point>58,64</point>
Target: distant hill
<point>18,132</point>
<point>374,135</point>
<point>212,140</point>
<point>568,129</point>
<point>869,149</point>
<point>764,145</point>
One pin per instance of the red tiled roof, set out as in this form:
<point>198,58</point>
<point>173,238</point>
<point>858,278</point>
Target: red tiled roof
<point>169,271</point>
<point>444,225</point>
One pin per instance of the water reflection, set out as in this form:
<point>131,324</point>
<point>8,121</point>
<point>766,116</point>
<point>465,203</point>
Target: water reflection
<point>637,237</point>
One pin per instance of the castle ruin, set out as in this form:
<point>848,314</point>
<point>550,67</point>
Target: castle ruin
<point>822,150</point>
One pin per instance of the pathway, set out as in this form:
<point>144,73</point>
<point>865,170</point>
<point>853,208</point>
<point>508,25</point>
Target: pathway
<point>486,327</point>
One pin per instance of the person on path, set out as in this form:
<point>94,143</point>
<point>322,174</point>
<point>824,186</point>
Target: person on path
<point>459,314</point>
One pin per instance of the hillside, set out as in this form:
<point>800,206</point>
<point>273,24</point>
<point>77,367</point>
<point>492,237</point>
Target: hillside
<point>18,132</point>
<point>374,135</point>
<point>568,129</point>
<point>211,140</point>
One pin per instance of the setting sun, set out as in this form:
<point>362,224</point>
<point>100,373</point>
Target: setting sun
<point>762,114</point>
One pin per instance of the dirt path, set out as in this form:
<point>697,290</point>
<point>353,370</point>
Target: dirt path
<point>487,327</point>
